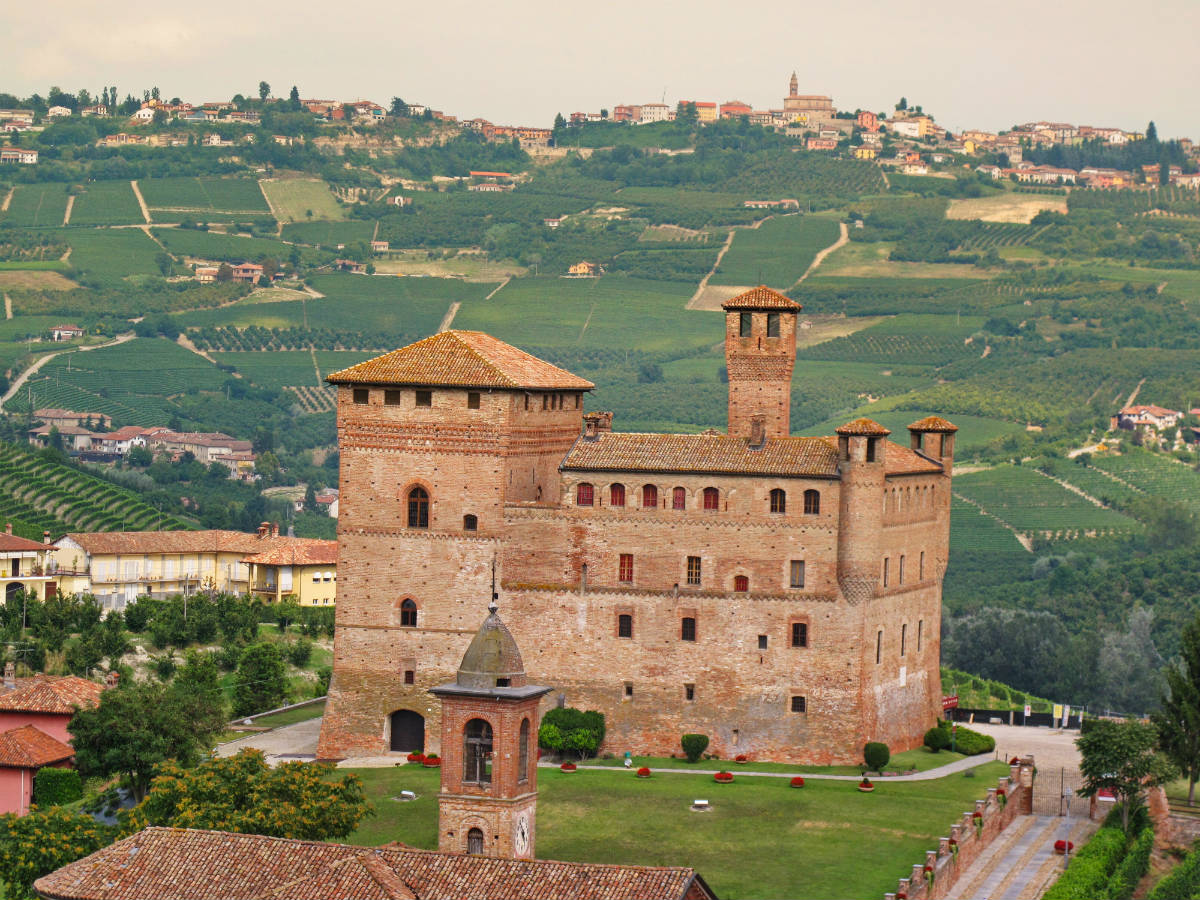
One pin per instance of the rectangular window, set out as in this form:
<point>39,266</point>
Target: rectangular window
<point>799,634</point>
<point>693,571</point>
<point>921,567</point>
<point>689,692</point>
<point>625,625</point>
<point>797,574</point>
<point>903,638</point>
<point>886,566</point>
<point>362,396</point>
<point>687,629</point>
<point>871,449</point>
<point>900,570</point>
<point>391,398</point>
<point>625,569</point>
<point>772,324</point>
<point>473,400</point>
<point>920,633</point>
<point>799,704</point>
<point>744,325</point>
<point>762,642</point>
<point>409,676</point>
<point>878,646</point>
<point>629,689</point>
<point>545,401</point>
<point>424,398</point>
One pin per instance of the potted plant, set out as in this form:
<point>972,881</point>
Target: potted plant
<point>954,848</point>
<point>865,785</point>
<point>568,767</point>
<point>643,772</point>
<point>1002,797</point>
<point>723,778</point>
<point>977,818</point>
<point>740,759</point>
<point>797,782</point>
<point>416,757</point>
<point>431,761</point>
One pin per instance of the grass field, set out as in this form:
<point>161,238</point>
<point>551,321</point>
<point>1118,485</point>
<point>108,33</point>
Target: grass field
<point>216,246</point>
<point>295,198</point>
<point>859,259</point>
<point>329,234</point>
<point>111,255</point>
<point>763,839</point>
<point>204,194</point>
<point>1034,504</point>
<point>107,203</point>
<point>1005,207</point>
<point>776,253</point>
<point>37,205</point>
<point>34,280</point>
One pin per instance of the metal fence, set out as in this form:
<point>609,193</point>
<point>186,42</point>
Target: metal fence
<point>1054,793</point>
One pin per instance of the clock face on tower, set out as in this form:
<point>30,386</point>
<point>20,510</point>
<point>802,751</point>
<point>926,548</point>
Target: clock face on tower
<point>521,835</point>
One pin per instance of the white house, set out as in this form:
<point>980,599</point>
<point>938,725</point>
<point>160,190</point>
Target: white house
<point>58,112</point>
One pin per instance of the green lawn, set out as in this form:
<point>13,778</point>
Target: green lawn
<point>920,759</point>
<point>292,716</point>
<point>762,839</point>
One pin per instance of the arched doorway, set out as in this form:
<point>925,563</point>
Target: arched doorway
<point>408,731</point>
<point>13,588</point>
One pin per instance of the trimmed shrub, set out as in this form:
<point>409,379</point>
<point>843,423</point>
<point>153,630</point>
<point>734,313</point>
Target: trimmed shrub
<point>300,652</point>
<point>972,743</point>
<point>694,746</point>
<point>569,730</point>
<point>1131,869</point>
<point>937,739</point>
<point>1087,876</point>
<point>876,755</point>
<point>1183,881</point>
<point>54,787</point>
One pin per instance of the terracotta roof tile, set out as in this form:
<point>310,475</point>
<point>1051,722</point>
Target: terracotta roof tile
<point>863,426</point>
<point>29,747</point>
<point>297,552</point>
<point>933,423</point>
<point>190,542</point>
<point>184,864</point>
<point>46,694</point>
<point>903,461</point>
<point>461,359</point>
<point>761,297</point>
<point>716,454</point>
<point>10,543</point>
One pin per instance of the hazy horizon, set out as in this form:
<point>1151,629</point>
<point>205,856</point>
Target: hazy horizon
<point>1086,63</point>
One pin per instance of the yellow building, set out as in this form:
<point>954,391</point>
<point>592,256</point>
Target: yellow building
<point>864,152</point>
<point>306,570</point>
<point>119,566</point>
<point>24,567</point>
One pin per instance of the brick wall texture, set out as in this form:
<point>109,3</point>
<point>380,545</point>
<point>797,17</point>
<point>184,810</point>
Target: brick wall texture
<point>869,669</point>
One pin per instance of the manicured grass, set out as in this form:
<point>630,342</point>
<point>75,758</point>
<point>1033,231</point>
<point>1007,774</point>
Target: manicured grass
<point>292,716</point>
<point>921,760</point>
<point>295,198</point>
<point>777,252</point>
<point>762,839</point>
<point>107,203</point>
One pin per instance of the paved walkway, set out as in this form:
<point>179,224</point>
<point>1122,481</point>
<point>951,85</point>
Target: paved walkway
<point>959,765</point>
<point>1021,863</point>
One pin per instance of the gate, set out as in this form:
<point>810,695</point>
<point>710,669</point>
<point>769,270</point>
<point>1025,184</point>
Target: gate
<point>408,731</point>
<point>1054,793</point>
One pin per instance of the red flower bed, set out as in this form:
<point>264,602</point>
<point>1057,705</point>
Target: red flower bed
<point>723,777</point>
<point>432,761</point>
<point>797,782</point>
<point>568,767</point>
<point>1061,847</point>
<point>643,772</point>
<point>865,786</point>
<point>416,757</point>
<point>740,758</point>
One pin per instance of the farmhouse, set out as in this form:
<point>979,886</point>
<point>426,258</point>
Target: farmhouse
<point>23,566</point>
<point>18,156</point>
<point>61,417</point>
<point>207,274</point>
<point>65,332</point>
<point>1154,417</point>
<point>248,272</point>
<point>780,594</point>
<point>585,269</point>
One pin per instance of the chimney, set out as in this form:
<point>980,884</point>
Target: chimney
<point>46,537</point>
<point>264,528</point>
<point>291,531</point>
<point>8,527</point>
<point>275,529</point>
<point>597,423</point>
<point>10,675</point>
<point>758,432</point>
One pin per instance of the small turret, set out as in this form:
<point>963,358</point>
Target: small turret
<point>861,457</point>
<point>933,437</point>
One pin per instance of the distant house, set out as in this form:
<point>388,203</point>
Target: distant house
<point>61,417</point>
<point>207,274</point>
<point>585,269</point>
<point>379,246</point>
<point>868,121</point>
<point>552,223</point>
<point>73,437</point>
<point>399,201</point>
<point>914,168</point>
<point>143,116</point>
<point>97,110</point>
<point>1155,417</point>
<point>821,143</point>
<point>248,272</point>
<point>733,109</point>
<point>24,566</point>
<point>19,156</point>
<point>327,498</point>
<point>349,265</point>
<point>785,203</point>
<point>65,332</point>
<point>58,112</point>
<point>865,152</point>
<point>490,188</point>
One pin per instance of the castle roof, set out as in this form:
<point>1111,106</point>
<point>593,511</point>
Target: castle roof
<point>762,297</point>
<point>933,423</point>
<point>28,747</point>
<point>461,359</point>
<point>714,453</point>
<point>189,864</point>
<point>863,426</point>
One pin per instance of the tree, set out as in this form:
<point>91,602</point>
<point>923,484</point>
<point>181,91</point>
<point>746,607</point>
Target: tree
<point>1178,722</point>
<point>1151,131</point>
<point>294,98</point>
<point>243,794</point>
<point>38,843</point>
<point>264,90</point>
<point>686,112</point>
<point>559,121</point>
<point>1121,757</point>
<point>310,498</point>
<point>224,272</point>
<point>399,109</point>
<point>261,680</point>
<point>138,726</point>
<point>903,104</point>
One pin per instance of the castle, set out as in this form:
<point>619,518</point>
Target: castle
<point>780,594</point>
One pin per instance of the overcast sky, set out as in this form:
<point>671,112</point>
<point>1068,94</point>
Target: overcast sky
<point>971,64</point>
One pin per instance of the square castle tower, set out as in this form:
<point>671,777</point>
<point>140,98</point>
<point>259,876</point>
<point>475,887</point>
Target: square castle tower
<point>780,594</point>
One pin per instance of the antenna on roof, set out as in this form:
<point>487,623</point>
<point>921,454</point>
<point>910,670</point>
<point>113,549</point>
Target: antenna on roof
<point>493,606</point>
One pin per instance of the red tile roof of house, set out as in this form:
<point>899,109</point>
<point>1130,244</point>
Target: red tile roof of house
<point>46,694</point>
<point>933,423</point>
<point>863,426</point>
<point>461,359</point>
<point>297,552</point>
<point>28,747</point>
<point>761,297</point>
<point>216,541</point>
<point>10,543</point>
<point>183,864</point>
<point>1148,410</point>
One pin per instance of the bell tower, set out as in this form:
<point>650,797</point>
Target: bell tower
<point>760,352</point>
<point>488,802</point>
<point>793,86</point>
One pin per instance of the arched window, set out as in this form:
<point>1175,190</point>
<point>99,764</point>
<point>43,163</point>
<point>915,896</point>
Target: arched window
<point>418,508</point>
<point>475,842</point>
<point>523,753</point>
<point>741,583</point>
<point>812,502</point>
<point>584,494</point>
<point>778,500</point>
<point>616,495</point>
<point>477,752</point>
<point>712,498</point>
<point>649,496</point>
<point>408,614</point>
<point>470,523</point>
<point>679,498</point>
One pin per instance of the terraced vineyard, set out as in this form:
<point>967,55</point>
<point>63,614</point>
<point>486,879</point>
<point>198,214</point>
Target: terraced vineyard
<point>1154,474</point>
<point>972,531</point>
<point>1035,505</point>
<point>315,399</point>
<point>203,195</point>
<point>904,340</point>
<point>40,205</point>
<point>1093,481</point>
<point>107,203</point>
<point>776,253</point>
<point>994,235</point>
<point>39,495</point>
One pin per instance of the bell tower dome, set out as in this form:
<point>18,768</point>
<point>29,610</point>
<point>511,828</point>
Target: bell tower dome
<point>488,802</point>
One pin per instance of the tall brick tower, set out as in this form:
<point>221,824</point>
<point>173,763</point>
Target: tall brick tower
<point>861,448</point>
<point>760,352</point>
<point>488,802</point>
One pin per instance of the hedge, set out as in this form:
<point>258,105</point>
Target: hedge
<point>1087,875</point>
<point>1132,867</point>
<point>1183,882</point>
<point>972,743</point>
<point>56,787</point>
